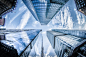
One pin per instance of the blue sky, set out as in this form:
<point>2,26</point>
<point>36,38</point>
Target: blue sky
<point>67,18</point>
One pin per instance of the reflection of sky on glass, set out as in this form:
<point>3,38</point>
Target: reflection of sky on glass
<point>20,40</point>
<point>37,47</point>
<point>68,17</point>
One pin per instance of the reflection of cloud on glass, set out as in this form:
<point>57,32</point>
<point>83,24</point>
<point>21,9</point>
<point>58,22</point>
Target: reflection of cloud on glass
<point>62,19</point>
<point>68,17</point>
<point>26,40</point>
<point>80,18</point>
<point>36,50</point>
<point>70,23</point>
<point>48,51</point>
<point>24,20</point>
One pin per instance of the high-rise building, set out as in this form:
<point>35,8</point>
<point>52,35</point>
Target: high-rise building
<point>42,49</point>
<point>38,10</point>
<point>81,6</point>
<point>30,6</point>
<point>2,21</point>
<point>51,36</point>
<point>77,33</point>
<point>53,6</point>
<point>7,6</point>
<point>7,51</point>
<point>18,43</point>
<point>67,45</point>
<point>44,11</point>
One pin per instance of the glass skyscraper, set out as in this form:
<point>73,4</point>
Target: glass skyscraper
<point>29,5</point>
<point>7,6</point>
<point>38,9</point>
<point>68,43</point>
<point>44,10</point>
<point>20,40</point>
<point>53,6</point>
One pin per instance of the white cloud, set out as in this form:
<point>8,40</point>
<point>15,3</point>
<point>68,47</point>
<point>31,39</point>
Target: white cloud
<point>50,29</point>
<point>21,9</point>
<point>44,32</point>
<point>24,20</point>
<point>6,16</point>
<point>35,24</point>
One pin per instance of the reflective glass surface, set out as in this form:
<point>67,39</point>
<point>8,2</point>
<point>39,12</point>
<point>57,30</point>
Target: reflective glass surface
<point>54,6</point>
<point>20,40</point>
